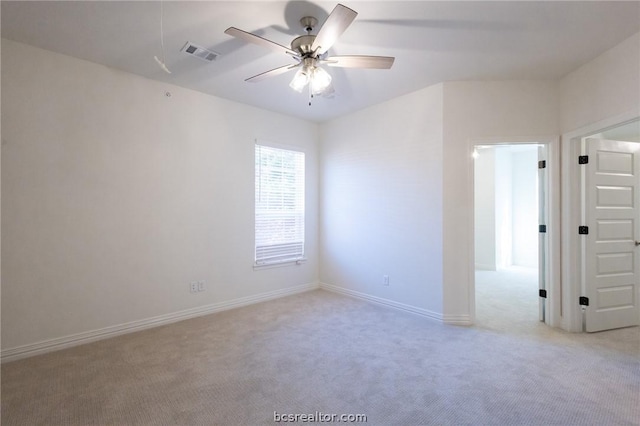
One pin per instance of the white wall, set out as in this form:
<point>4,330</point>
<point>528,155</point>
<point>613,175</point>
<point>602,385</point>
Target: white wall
<point>472,111</point>
<point>475,111</point>
<point>485,210</point>
<point>381,209</point>
<point>601,93</point>
<point>104,220</point>
<point>504,207</point>
<point>115,196</point>
<point>605,87</point>
<point>525,208</point>
<point>505,203</point>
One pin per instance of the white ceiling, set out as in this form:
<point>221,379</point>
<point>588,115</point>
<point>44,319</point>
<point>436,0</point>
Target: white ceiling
<point>432,41</point>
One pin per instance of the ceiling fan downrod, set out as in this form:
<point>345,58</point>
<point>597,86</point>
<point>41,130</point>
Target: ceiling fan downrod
<point>308,23</point>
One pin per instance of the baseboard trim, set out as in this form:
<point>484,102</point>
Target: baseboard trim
<point>382,301</point>
<point>485,267</point>
<point>51,345</point>
<point>457,320</point>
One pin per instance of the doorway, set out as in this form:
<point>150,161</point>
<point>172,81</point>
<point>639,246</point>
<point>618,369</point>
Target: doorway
<point>610,188</point>
<point>578,283</point>
<point>509,207</point>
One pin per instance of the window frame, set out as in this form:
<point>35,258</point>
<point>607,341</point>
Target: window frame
<point>257,264</point>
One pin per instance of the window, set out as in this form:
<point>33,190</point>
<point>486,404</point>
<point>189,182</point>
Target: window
<point>279,205</point>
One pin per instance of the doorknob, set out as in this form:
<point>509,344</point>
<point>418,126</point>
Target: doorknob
<point>637,243</point>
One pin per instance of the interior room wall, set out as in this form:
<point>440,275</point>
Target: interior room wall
<point>104,222</point>
<point>485,210</point>
<point>474,111</point>
<point>503,206</point>
<point>629,132</point>
<point>381,210</point>
<point>525,207</point>
<point>483,110</point>
<point>116,195</point>
<point>603,88</point>
<point>601,93</point>
<point>505,195</point>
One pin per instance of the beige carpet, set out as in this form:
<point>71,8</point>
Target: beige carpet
<point>319,351</point>
<point>507,301</point>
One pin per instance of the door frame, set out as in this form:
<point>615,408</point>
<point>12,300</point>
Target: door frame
<point>572,270</point>
<point>553,274</point>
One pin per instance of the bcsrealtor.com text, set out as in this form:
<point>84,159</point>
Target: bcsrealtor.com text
<point>318,417</point>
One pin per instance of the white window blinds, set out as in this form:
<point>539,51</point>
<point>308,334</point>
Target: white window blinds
<point>279,205</point>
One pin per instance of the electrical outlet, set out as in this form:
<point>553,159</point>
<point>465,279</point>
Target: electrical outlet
<point>385,280</point>
<point>193,286</point>
<point>201,286</point>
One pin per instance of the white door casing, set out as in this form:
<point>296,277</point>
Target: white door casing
<point>553,302</point>
<point>542,234</point>
<point>612,215</point>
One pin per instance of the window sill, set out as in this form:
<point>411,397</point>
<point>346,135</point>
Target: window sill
<point>279,264</point>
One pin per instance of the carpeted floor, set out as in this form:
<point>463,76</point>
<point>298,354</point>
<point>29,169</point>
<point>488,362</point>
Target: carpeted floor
<point>322,352</point>
<point>507,300</point>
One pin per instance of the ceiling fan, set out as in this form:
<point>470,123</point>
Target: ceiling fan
<point>310,51</point>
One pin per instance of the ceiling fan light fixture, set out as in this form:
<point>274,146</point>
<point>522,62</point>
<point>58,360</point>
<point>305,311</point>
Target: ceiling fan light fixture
<point>310,50</point>
<point>300,80</point>
<point>320,81</point>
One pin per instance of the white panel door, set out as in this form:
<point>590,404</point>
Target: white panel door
<point>612,269</point>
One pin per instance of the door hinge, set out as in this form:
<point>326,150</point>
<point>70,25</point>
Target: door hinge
<point>583,230</point>
<point>542,228</point>
<point>583,159</point>
<point>584,301</point>
<point>542,293</point>
<point>542,164</point>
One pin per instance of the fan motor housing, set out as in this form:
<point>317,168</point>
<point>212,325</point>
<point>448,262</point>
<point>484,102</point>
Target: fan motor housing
<point>303,44</point>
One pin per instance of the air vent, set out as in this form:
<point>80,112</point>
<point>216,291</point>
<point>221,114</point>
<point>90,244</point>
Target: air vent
<point>199,52</point>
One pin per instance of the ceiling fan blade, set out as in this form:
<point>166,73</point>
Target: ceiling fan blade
<point>260,41</point>
<point>356,61</point>
<point>337,22</point>
<point>272,73</point>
